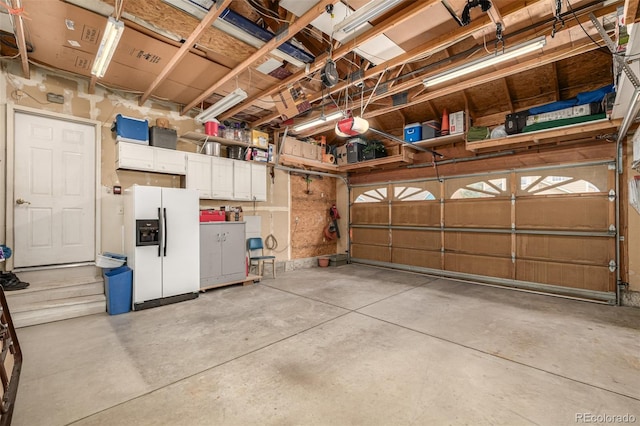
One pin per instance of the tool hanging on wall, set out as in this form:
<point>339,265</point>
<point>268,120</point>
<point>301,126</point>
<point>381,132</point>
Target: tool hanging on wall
<point>333,212</point>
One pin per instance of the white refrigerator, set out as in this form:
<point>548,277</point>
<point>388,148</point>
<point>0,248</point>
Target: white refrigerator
<point>162,244</point>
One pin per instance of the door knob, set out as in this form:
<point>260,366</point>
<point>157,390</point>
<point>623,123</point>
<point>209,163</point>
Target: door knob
<point>20,201</point>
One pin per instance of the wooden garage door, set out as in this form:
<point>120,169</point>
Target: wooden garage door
<point>550,229</point>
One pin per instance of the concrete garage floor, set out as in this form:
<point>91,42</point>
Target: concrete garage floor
<point>338,346</point>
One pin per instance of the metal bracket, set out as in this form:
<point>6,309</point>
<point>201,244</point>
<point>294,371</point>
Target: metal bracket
<point>612,48</point>
<point>612,229</point>
<point>612,266</point>
<point>612,195</point>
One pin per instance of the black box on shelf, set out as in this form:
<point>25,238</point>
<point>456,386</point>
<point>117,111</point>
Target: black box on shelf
<point>354,149</point>
<point>430,129</point>
<point>514,123</point>
<point>162,137</point>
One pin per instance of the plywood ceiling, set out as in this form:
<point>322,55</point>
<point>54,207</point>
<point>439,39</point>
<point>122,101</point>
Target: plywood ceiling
<point>65,36</point>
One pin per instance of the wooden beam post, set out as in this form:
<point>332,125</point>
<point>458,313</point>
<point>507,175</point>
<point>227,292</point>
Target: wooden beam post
<point>206,22</point>
<point>276,41</point>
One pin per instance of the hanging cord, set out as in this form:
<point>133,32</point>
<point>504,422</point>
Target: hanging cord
<point>270,242</point>
<point>435,166</point>
<point>557,13</point>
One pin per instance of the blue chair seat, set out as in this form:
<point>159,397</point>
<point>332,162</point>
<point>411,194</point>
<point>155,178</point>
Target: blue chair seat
<point>257,258</point>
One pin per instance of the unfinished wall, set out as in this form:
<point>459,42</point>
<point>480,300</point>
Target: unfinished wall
<point>632,297</point>
<point>311,199</point>
<point>103,106</point>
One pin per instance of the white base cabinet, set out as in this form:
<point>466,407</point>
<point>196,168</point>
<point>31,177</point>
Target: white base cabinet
<point>222,253</point>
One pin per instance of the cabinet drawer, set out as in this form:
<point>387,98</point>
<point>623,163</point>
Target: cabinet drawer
<point>169,161</point>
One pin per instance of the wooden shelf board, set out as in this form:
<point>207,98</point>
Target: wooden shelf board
<point>440,140</point>
<point>292,160</point>
<point>584,130</point>
<point>406,156</point>
<point>200,138</point>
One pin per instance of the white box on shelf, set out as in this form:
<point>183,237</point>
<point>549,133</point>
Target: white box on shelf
<point>550,116</point>
<point>456,123</point>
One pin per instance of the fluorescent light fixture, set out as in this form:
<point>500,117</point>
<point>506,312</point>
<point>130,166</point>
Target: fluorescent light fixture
<point>224,104</point>
<point>487,61</point>
<point>323,119</point>
<point>366,13</point>
<point>112,33</point>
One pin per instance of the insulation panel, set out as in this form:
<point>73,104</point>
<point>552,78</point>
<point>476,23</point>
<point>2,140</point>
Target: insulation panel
<point>478,243</point>
<point>597,278</point>
<point>478,213</point>
<point>409,238</point>
<point>591,250</point>
<point>584,213</point>
<point>480,265</point>
<point>416,213</point>
<point>378,237</point>
<point>378,253</point>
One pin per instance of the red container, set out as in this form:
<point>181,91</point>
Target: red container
<point>211,128</point>
<point>212,216</point>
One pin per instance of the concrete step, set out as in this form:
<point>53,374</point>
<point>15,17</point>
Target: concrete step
<point>56,310</point>
<point>40,292</point>
<point>45,276</point>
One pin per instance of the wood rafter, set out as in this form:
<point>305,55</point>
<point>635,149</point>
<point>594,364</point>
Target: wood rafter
<point>211,16</point>
<point>407,13</point>
<point>22,43</point>
<point>630,11</point>
<point>566,52</point>
<point>505,86</point>
<point>555,82</point>
<point>302,22</point>
<point>437,44</point>
<point>395,75</point>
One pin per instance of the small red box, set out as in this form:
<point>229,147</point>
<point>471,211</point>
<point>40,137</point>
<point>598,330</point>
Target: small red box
<point>212,216</point>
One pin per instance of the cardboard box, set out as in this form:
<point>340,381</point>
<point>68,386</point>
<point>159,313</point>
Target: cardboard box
<point>234,216</point>
<point>456,123</point>
<point>260,139</point>
<point>341,155</point>
<point>292,146</point>
<point>311,151</point>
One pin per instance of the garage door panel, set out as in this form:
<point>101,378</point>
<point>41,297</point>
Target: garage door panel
<point>478,243</point>
<point>574,249</point>
<point>370,214</point>
<point>425,213</point>
<point>422,258</point>
<point>587,213</point>
<point>479,265</point>
<point>478,213</point>
<point>370,236</point>
<point>596,278</point>
<point>426,240</point>
<point>378,253</point>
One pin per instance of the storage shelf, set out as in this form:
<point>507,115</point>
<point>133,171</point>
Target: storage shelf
<point>440,140</point>
<point>578,131</point>
<point>200,138</point>
<point>405,156</point>
<point>293,160</point>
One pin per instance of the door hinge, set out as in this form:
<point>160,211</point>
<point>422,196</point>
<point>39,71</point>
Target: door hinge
<point>612,266</point>
<point>612,195</point>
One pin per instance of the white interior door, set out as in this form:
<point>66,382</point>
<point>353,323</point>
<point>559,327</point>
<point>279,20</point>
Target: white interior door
<point>54,191</point>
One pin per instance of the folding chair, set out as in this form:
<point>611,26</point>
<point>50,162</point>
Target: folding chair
<point>256,244</point>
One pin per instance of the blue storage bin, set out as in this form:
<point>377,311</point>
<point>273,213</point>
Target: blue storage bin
<point>129,129</point>
<point>413,132</point>
<point>118,285</point>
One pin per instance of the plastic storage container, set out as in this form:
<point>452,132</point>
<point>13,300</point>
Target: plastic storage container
<point>413,132</point>
<point>430,129</point>
<point>129,129</point>
<point>163,138</point>
<point>118,288</point>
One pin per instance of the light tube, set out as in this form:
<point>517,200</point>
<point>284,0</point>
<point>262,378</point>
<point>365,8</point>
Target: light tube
<point>487,61</point>
<point>318,121</point>
<point>366,13</point>
<point>112,33</point>
<point>224,104</point>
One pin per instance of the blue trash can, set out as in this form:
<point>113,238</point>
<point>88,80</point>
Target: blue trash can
<point>118,289</point>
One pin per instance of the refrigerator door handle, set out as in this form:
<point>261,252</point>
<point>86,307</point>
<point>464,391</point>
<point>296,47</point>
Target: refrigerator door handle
<point>159,232</point>
<point>166,235</point>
